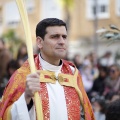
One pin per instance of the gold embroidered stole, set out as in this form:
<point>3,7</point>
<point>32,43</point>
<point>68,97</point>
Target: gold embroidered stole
<point>73,106</point>
<point>72,98</point>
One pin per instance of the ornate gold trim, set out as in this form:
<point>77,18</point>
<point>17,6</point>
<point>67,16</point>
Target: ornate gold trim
<point>71,80</point>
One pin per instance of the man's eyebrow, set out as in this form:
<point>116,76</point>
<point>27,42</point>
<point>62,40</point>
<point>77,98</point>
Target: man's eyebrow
<point>64,35</point>
<point>58,34</point>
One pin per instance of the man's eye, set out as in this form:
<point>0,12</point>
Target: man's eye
<point>55,36</point>
<point>64,36</point>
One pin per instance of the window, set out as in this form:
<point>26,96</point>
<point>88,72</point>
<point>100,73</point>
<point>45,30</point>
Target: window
<point>103,9</point>
<point>11,12</point>
<point>94,10</point>
<point>50,8</point>
<point>30,5</point>
<point>117,7</point>
<point>98,8</point>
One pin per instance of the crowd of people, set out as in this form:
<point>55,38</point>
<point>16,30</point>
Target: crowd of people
<point>101,78</point>
<point>8,64</point>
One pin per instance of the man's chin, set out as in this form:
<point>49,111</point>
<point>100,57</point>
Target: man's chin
<point>62,56</point>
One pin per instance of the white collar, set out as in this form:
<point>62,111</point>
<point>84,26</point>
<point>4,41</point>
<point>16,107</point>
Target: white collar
<point>47,66</point>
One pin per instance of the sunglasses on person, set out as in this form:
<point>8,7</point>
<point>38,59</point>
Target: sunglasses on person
<point>112,71</point>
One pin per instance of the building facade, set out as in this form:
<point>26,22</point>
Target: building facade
<point>36,9</point>
<point>83,20</point>
<point>87,17</point>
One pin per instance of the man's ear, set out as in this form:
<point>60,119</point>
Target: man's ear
<point>39,41</point>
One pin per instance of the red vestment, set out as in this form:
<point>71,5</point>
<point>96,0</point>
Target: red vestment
<point>16,87</point>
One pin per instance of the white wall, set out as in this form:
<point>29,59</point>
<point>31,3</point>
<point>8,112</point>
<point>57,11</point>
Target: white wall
<point>50,8</point>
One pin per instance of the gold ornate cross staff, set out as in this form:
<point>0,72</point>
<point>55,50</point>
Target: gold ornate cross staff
<point>24,17</point>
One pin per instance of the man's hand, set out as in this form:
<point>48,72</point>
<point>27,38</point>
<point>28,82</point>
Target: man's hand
<point>32,86</point>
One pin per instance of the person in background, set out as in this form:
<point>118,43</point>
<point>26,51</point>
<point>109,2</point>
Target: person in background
<point>112,82</point>
<point>22,54</point>
<point>113,110</point>
<point>5,57</point>
<point>12,66</point>
<point>99,107</point>
<point>87,75</point>
<point>99,83</point>
<point>77,61</point>
<point>112,96</point>
<point>107,59</point>
<point>59,102</point>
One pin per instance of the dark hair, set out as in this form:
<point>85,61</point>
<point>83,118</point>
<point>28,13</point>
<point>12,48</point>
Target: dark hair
<point>113,111</point>
<point>42,25</point>
<point>12,64</point>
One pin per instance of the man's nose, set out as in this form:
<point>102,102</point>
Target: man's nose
<point>61,40</point>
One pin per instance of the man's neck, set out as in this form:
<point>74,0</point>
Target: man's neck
<point>56,64</point>
<point>50,67</point>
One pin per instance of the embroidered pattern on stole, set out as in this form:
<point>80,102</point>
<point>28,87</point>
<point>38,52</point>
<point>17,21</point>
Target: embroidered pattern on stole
<point>43,94</point>
<point>72,99</point>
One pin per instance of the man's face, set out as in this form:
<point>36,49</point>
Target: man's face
<point>54,45</point>
<point>114,72</point>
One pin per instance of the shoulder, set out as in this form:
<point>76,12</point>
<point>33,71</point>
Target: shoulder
<point>18,78</point>
<point>16,85</point>
<point>70,64</point>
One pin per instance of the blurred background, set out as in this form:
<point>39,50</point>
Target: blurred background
<point>97,60</point>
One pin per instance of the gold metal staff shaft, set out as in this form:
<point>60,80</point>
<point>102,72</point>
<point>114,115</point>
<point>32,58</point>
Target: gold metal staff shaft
<point>24,17</point>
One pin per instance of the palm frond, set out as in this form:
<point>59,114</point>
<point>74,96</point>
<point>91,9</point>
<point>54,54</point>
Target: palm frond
<point>112,34</point>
